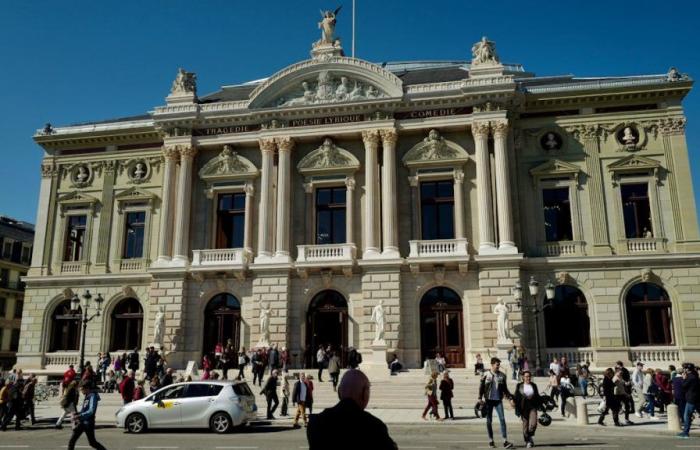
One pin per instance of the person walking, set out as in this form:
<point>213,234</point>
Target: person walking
<point>86,418</point>
<point>678,394</point>
<point>126,387</point>
<point>68,376</point>
<point>242,362</point>
<point>582,374</point>
<point>284,359</point>
<point>133,360</point>
<point>258,367</point>
<point>300,395</point>
<point>611,403</point>
<point>513,360</point>
<point>493,389</point>
<point>285,397</point>
<point>270,392</point>
<point>14,405</point>
<point>310,394</point>
<point>28,398</point>
<point>330,429</point>
<point>69,402</point>
<point>447,385</point>
<point>620,393</point>
<point>321,362</point>
<point>566,390</point>
<point>527,403</point>
<point>479,365</point>
<point>431,394</point>
<point>691,389</point>
<point>354,358</point>
<point>553,385</point>
<point>334,369</point>
<point>637,380</point>
<point>4,398</point>
<point>627,399</point>
<point>650,389</point>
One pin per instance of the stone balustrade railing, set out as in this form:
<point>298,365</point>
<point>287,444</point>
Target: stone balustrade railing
<point>574,355</point>
<point>68,267</point>
<point>658,355</point>
<point>219,256</point>
<point>62,359</point>
<point>132,265</point>
<point>325,253</point>
<point>438,247</point>
<point>645,245</point>
<point>562,248</point>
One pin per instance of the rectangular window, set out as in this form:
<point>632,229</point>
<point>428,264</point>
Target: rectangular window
<point>75,238</point>
<point>230,220</point>
<point>636,210</point>
<point>557,214</point>
<point>134,227</point>
<point>3,307</point>
<point>437,210</point>
<point>330,215</point>
<point>19,307</point>
<point>26,254</point>
<point>14,340</point>
<point>7,248</point>
<point>4,278</point>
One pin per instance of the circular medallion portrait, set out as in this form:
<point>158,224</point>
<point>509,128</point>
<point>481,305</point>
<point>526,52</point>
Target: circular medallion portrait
<point>628,136</point>
<point>551,141</point>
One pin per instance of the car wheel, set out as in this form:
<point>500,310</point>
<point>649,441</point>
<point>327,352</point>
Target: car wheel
<point>136,423</point>
<point>220,423</point>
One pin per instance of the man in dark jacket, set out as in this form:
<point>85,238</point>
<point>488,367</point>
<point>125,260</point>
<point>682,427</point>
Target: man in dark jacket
<point>167,378</point>
<point>133,361</point>
<point>691,388</point>
<point>127,387</point>
<point>270,392</point>
<point>354,358</point>
<point>86,418</point>
<point>492,390</point>
<point>329,429</point>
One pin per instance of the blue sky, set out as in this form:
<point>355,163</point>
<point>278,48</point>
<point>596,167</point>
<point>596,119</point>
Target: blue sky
<point>68,62</point>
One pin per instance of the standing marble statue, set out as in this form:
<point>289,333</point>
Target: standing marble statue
<point>484,52</point>
<point>184,83</point>
<point>159,327</point>
<point>378,318</point>
<point>502,325</point>
<point>327,26</point>
<point>264,324</point>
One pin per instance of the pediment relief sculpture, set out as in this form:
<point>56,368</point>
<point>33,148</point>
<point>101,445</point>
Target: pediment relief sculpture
<point>328,158</point>
<point>435,150</point>
<point>330,88</point>
<point>228,165</point>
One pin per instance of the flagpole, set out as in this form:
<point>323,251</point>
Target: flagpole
<point>353,28</point>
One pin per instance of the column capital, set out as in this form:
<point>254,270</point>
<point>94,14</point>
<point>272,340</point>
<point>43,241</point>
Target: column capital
<point>49,169</point>
<point>284,143</point>
<point>267,145</point>
<point>459,176</point>
<point>370,138</point>
<point>413,181</point>
<point>249,189</point>
<point>171,152</point>
<point>389,136</point>
<point>187,151</point>
<point>500,128</point>
<point>309,188</point>
<point>480,129</point>
<point>350,183</point>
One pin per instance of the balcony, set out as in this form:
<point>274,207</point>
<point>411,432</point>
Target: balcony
<point>327,255</point>
<point>574,355</point>
<point>73,267</point>
<point>438,251</point>
<point>133,265</point>
<point>220,259</point>
<point>657,355</point>
<point>561,248</point>
<point>61,359</point>
<point>644,245</point>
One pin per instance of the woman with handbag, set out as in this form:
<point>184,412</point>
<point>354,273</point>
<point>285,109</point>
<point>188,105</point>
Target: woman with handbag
<point>611,403</point>
<point>527,403</point>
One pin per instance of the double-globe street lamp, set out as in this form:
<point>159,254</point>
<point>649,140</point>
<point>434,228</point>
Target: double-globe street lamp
<point>535,309</point>
<point>74,305</point>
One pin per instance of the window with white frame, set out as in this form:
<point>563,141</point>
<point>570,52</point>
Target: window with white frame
<point>26,254</point>
<point>74,246</point>
<point>230,219</point>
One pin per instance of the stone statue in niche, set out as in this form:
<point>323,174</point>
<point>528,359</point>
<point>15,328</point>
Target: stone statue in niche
<point>484,52</point>
<point>378,318</point>
<point>551,141</point>
<point>265,311</point>
<point>82,174</point>
<point>139,171</point>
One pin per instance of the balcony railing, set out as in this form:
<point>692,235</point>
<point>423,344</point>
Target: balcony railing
<point>438,248</point>
<point>219,257</point>
<point>669,355</point>
<point>133,265</point>
<point>61,359</point>
<point>341,253</point>
<point>574,355</point>
<point>562,248</point>
<point>70,267</point>
<point>645,245</point>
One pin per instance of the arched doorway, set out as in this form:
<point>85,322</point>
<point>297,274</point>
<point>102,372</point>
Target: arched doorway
<point>326,324</point>
<point>65,328</point>
<point>566,320</point>
<point>222,321</point>
<point>127,325</point>
<point>441,326</point>
<point>649,318</point>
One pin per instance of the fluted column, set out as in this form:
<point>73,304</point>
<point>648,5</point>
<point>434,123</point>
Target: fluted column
<point>389,206</point>
<point>459,203</point>
<point>480,130</point>
<point>503,197</point>
<point>267,147</point>
<point>284,145</point>
<point>171,155</point>
<point>349,210</point>
<point>248,221</point>
<point>370,138</point>
<point>184,200</point>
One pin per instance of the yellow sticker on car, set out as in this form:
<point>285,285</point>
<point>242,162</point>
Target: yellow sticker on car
<point>164,404</point>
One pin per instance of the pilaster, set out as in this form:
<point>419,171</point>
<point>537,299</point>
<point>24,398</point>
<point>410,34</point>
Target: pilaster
<point>459,203</point>
<point>105,230</point>
<point>349,210</point>
<point>45,219</point>
<point>248,224</point>
<point>284,145</point>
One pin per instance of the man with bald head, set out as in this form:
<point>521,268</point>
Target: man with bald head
<point>347,425</point>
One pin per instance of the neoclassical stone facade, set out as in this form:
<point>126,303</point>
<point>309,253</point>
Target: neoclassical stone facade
<point>283,211</point>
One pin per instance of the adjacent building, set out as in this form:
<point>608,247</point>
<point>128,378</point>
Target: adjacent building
<point>285,210</point>
<point>16,238</point>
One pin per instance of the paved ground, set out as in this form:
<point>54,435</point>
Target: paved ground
<point>418,436</point>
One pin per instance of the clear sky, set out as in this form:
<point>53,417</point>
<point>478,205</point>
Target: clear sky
<point>76,61</point>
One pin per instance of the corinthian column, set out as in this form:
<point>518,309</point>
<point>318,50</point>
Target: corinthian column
<point>389,220</point>
<point>285,145</point>
<point>371,140</point>
<point>349,210</point>
<point>505,209</point>
<point>480,130</point>
<point>267,147</point>
<point>171,155</point>
<point>459,203</point>
<point>184,199</point>
<point>248,220</point>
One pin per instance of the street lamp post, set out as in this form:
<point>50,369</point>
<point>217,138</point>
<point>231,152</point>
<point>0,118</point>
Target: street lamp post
<point>534,308</point>
<point>75,304</point>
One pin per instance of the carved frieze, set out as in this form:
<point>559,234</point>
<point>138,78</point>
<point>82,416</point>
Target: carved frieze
<point>330,88</point>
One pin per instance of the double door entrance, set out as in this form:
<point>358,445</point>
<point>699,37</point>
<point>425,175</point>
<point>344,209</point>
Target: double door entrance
<point>222,322</point>
<point>442,327</point>
<point>326,325</point>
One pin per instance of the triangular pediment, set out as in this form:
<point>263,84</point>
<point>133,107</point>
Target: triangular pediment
<point>555,167</point>
<point>134,194</point>
<point>328,158</point>
<point>77,198</point>
<point>634,163</point>
<point>435,150</point>
<point>330,80</point>
<point>228,165</point>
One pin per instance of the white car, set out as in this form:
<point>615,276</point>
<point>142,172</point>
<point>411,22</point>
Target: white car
<point>217,405</point>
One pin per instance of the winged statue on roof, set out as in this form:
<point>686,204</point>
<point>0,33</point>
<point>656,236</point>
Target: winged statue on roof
<point>327,26</point>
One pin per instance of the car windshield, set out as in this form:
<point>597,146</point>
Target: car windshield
<point>242,389</point>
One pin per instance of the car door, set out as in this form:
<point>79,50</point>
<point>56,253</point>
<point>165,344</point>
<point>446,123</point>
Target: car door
<point>165,411</point>
<point>197,403</point>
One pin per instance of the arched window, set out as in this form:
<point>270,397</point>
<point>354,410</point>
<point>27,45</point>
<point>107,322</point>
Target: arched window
<point>649,319</point>
<point>127,325</point>
<point>65,328</point>
<point>566,321</point>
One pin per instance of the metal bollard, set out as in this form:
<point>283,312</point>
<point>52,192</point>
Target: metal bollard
<point>674,420</point>
<point>581,411</point>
